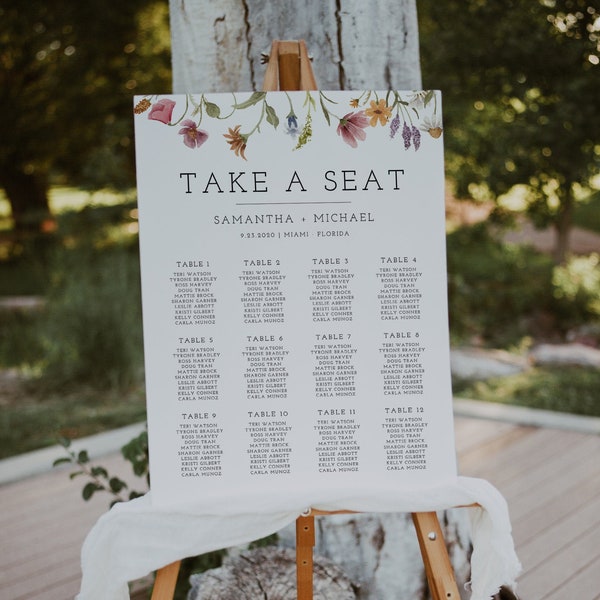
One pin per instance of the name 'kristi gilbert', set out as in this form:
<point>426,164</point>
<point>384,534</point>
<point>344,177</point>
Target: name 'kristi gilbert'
<point>283,218</point>
<point>345,180</point>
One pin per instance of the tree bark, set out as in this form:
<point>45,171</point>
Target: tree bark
<point>268,573</point>
<point>562,226</point>
<point>28,198</point>
<point>217,44</point>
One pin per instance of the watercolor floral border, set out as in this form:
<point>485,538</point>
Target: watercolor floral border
<point>412,115</point>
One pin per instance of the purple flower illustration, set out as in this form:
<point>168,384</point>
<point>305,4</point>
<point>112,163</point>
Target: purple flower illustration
<point>351,128</point>
<point>162,110</point>
<point>406,135</point>
<point>394,126</point>
<point>192,136</point>
<point>416,135</point>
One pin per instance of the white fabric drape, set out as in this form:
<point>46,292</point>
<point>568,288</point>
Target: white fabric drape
<point>136,538</point>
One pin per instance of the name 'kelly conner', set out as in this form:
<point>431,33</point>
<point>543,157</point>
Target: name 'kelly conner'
<point>346,180</point>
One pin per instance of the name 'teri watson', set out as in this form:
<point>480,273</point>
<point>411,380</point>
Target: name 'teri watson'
<point>346,180</point>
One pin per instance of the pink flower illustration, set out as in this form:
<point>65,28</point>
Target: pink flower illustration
<point>352,126</point>
<point>162,110</point>
<point>192,136</point>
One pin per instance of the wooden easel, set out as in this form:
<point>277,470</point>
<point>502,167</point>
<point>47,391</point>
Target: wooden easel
<point>289,69</point>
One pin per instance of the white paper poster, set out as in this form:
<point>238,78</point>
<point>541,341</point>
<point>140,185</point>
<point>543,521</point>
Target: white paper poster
<point>294,293</point>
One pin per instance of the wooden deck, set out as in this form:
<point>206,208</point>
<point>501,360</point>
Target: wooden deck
<point>550,478</point>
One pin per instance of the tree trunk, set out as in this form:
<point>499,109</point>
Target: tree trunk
<point>269,573</point>
<point>562,226</point>
<point>217,44</point>
<point>28,198</point>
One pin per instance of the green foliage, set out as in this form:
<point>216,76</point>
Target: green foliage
<point>136,452</point>
<point>23,269</point>
<point>587,213</point>
<point>519,78</point>
<point>93,330</point>
<point>32,418</point>
<point>97,477</point>
<point>495,290</point>
<point>577,289</point>
<point>568,389</point>
<point>19,337</point>
<point>67,78</point>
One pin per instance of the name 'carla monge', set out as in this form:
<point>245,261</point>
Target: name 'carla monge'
<point>286,219</point>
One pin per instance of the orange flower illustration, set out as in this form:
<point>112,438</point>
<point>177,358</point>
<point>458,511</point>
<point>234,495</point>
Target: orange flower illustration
<point>237,141</point>
<point>378,112</point>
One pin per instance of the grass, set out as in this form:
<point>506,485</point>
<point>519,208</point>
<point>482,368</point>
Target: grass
<point>82,354</point>
<point>567,389</point>
<point>34,420</point>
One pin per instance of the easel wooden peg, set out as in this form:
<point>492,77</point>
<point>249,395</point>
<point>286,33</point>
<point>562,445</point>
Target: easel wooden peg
<point>289,67</point>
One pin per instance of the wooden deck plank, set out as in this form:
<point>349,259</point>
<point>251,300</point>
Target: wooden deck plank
<point>546,470</point>
<point>581,585</point>
<point>539,517</point>
<point>523,450</point>
<point>44,523</point>
<point>558,570</point>
<point>559,535</point>
<point>470,433</point>
<point>541,490</point>
<point>550,479</point>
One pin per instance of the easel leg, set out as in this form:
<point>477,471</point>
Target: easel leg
<point>440,574</point>
<point>166,579</point>
<point>305,541</point>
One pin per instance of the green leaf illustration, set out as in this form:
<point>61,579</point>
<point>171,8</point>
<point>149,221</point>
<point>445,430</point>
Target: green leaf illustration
<point>212,110</point>
<point>272,117</point>
<point>428,97</point>
<point>325,111</point>
<point>254,99</point>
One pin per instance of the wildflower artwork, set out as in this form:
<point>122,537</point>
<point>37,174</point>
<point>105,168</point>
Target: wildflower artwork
<point>292,249</point>
<point>414,112</point>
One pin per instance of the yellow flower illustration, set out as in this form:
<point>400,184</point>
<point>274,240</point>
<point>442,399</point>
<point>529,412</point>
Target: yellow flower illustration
<point>354,103</point>
<point>378,111</point>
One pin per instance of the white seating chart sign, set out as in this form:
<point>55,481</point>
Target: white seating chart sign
<point>294,293</point>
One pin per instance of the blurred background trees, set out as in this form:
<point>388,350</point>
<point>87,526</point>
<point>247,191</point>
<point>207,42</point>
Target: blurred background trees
<point>67,74</point>
<point>521,83</point>
<point>520,80</point>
